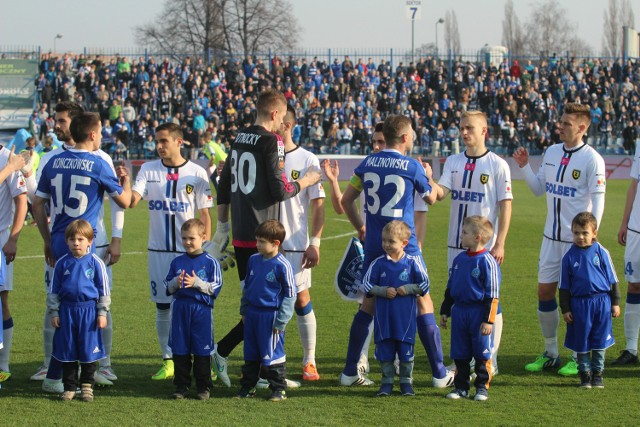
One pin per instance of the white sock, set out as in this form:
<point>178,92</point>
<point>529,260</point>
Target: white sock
<point>7,337</point>
<point>107,339</point>
<point>163,326</point>
<point>47,338</point>
<point>549,321</point>
<point>307,329</point>
<point>367,342</point>
<point>632,326</point>
<point>497,335</point>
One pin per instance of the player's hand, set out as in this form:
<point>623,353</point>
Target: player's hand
<point>486,328</point>
<point>331,171</point>
<point>443,321</point>
<point>615,311</point>
<point>48,256</point>
<point>568,317</point>
<point>15,163</point>
<point>391,292</point>
<point>622,235</point>
<point>220,167</point>
<point>28,157</point>
<point>498,253</point>
<point>101,322</point>
<point>311,257</point>
<point>217,246</point>
<point>427,168</point>
<point>402,291</point>
<point>10,249</point>
<point>187,280</point>
<point>362,233</point>
<point>55,322</point>
<point>521,156</point>
<point>112,255</point>
<point>276,331</point>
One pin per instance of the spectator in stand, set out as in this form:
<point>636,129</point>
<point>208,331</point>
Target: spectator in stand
<point>345,137</point>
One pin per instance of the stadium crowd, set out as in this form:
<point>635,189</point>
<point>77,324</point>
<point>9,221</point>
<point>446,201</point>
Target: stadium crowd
<point>339,103</point>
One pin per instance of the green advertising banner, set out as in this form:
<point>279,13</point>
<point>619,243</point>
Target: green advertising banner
<point>17,91</point>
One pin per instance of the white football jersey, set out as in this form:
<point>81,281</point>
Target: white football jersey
<point>477,185</point>
<point>173,195</point>
<point>12,187</point>
<point>294,212</point>
<point>569,178</point>
<point>634,219</point>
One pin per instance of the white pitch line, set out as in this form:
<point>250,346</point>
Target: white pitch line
<point>338,236</point>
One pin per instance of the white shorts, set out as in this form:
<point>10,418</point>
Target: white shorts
<point>158,265</point>
<point>302,275</point>
<point>550,260</point>
<point>8,273</point>
<point>632,258</point>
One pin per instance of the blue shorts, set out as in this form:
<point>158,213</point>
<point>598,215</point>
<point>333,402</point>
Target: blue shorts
<point>386,351</point>
<point>78,338</point>
<point>591,327</point>
<point>467,340</point>
<point>260,343</point>
<point>191,331</point>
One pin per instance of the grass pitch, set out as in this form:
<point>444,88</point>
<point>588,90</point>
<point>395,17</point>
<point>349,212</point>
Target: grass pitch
<point>516,397</point>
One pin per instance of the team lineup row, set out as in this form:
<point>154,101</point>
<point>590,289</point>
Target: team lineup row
<point>260,182</point>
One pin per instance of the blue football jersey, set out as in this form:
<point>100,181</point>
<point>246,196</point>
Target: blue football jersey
<point>80,279</point>
<point>75,182</point>
<point>268,282</point>
<point>206,268</point>
<point>587,271</point>
<point>474,278</point>
<point>389,180</point>
<point>396,318</point>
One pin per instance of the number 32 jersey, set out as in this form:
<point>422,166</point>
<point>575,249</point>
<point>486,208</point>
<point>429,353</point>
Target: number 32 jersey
<point>389,180</point>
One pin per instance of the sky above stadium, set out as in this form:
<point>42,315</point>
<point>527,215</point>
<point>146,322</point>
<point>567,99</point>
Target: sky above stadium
<point>325,23</point>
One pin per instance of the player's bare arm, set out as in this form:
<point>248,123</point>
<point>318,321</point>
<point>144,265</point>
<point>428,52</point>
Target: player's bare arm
<point>123,199</point>
<point>348,202</point>
<point>631,196</point>
<point>332,172</point>
<point>40,216</point>
<point>11,247</point>
<point>205,217</point>
<point>311,256</point>
<point>504,220</point>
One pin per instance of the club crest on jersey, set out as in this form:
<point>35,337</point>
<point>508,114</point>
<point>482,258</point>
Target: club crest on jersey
<point>484,178</point>
<point>404,276</point>
<point>475,273</point>
<point>189,188</point>
<point>202,275</point>
<point>271,277</point>
<point>596,260</point>
<point>89,273</point>
<point>295,174</point>
<point>575,174</point>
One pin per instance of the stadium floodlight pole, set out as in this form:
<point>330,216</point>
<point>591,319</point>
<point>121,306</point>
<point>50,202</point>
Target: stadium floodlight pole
<point>439,21</point>
<point>57,36</point>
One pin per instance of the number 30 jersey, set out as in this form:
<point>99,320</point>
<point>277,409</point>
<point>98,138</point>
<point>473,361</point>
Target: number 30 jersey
<point>253,182</point>
<point>389,180</point>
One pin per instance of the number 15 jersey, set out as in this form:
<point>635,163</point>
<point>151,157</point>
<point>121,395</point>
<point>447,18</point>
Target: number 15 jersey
<point>389,180</point>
